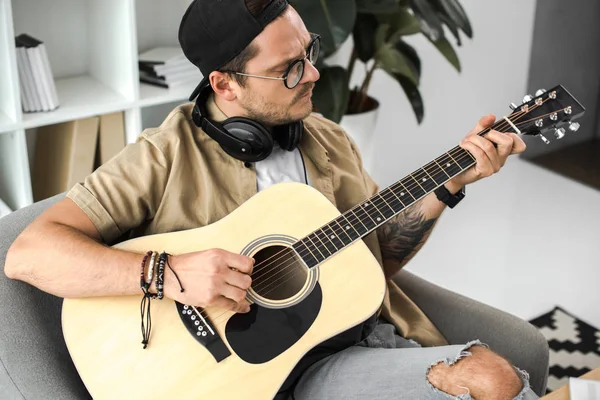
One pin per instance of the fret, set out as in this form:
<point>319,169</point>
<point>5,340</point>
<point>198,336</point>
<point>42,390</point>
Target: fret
<point>365,218</point>
<point>305,254</point>
<point>317,252</point>
<point>436,173</point>
<point>413,187</point>
<point>403,194</point>
<point>382,205</point>
<point>444,175</point>
<point>341,229</point>
<point>374,212</point>
<point>333,237</point>
<point>425,181</point>
<point>464,159</point>
<point>324,238</point>
<point>356,222</point>
<point>450,165</point>
<point>348,228</point>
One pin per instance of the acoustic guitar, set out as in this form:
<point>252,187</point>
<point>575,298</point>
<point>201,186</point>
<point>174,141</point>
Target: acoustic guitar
<point>313,278</point>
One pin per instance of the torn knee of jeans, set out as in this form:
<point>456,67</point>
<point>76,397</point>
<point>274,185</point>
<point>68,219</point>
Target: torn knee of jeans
<point>449,361</point>
<point>464,352</point>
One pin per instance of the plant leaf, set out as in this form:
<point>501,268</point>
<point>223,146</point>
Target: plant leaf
<point>394,62</point>
<point>413,60</point>
<point>414,97</point>
<point>332,19</point>
<point>402,23</point>
<point>364,36</point>
<point>413,94</point>
<point>377,6</point>
<point>381,35</point>
<point>330,95</point>
<point>451,26</point>
<point>431,26</point>
<point>456,13</point>
<point>448,51</point>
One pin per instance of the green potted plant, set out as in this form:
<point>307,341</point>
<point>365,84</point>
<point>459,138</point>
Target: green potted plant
<point>378,28</point>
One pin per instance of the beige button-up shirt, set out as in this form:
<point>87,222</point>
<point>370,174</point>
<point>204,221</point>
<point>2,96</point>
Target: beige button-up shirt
<point>175,177</point>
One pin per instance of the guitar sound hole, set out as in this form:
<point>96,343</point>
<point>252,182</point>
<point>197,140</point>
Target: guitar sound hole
<point>278,273</point>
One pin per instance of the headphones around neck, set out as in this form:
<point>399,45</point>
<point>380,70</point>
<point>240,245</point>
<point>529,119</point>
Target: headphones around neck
<point>244,138</point>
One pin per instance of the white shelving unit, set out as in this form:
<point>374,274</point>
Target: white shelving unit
<point>93,48</point>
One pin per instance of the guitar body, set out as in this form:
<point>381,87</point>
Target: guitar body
<point>233,356</point>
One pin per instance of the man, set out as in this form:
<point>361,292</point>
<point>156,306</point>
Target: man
<point>256,56</point>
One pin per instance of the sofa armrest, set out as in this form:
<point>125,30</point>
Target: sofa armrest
<point>461,319</point>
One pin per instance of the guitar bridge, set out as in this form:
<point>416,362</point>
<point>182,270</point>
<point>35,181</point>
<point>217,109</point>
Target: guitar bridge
<point>200,327</point>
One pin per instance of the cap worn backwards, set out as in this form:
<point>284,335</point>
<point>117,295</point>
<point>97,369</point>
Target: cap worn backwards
<point>212,32</point>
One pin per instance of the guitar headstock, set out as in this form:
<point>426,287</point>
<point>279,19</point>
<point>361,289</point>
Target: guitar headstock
<point>549,111</point>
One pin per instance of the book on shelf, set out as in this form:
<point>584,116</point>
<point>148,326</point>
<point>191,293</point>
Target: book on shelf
<point>64,156</point>
<point>38,90</point>
<point>167,67</point>
<point>111,137</point>
<point>4,209</point>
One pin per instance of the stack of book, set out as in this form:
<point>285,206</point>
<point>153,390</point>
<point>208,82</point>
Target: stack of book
<point>167,67</point>
<point>38,91</point>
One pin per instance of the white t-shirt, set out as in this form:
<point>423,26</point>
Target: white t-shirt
<point>280,166</point>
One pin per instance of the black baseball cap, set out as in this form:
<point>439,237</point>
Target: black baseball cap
<point>212,32</point>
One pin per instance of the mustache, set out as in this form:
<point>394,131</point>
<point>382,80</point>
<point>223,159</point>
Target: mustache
<point>303,92</point>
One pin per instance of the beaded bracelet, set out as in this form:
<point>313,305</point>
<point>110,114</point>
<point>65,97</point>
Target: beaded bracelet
<point>160,276</point>
<point>143,284</point>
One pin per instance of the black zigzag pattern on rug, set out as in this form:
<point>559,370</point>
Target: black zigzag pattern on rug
<point>574,345</point>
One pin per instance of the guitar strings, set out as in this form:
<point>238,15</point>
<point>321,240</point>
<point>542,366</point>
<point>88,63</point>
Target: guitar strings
<point>389,199</point>
<point>393,199</point>
<point>502,124</point>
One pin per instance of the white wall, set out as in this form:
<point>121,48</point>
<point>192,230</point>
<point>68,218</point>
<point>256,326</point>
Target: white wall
<point>523,240</point>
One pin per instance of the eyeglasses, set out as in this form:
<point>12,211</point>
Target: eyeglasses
<point>295,71</point>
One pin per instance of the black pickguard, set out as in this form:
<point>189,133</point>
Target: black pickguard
<point>262,334</point>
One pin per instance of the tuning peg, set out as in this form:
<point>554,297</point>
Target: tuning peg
<point>513,106</point>
<point>559,133</point>
<point>574,126</point>
<point>543,138</point>
<point>527,98</point>
<point>540,92</point>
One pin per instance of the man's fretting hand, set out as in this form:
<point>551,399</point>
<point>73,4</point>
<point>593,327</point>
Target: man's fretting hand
<point>490,159</point>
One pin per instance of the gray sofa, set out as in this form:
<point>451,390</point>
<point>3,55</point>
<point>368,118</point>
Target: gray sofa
<point>35,363</point>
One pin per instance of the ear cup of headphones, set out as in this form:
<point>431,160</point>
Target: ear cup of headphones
<point>250,132</point>
<point>288,136</point>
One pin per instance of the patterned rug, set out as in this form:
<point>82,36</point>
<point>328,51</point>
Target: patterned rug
<point>574,346</point>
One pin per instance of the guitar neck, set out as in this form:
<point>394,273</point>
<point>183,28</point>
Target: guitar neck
<point>369,215</point>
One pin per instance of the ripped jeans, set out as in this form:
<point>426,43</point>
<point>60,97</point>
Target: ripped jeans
<point>386,366</point>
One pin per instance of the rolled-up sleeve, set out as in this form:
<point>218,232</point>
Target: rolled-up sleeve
<point>125,191</point>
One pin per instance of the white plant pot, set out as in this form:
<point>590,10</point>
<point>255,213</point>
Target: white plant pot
<point>361,128</point>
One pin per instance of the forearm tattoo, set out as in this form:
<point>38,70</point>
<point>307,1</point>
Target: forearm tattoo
<point>400,236</point>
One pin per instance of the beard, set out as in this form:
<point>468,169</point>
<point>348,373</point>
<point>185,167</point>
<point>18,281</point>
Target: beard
<point>270,113</point>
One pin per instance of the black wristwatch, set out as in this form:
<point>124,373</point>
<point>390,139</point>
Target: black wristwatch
<point>448,198</point>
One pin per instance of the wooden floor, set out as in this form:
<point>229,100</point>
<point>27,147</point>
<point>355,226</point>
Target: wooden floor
<point>580,162</point>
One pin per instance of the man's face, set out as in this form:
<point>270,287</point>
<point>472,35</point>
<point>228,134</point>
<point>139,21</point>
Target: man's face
<point>279,44</point>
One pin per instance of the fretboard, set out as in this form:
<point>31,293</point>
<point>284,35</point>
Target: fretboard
<point>369,215</point>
